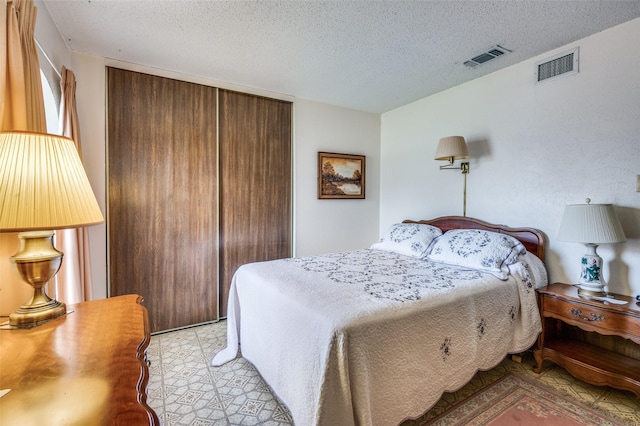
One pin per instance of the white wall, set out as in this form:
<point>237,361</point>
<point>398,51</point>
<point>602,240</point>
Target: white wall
<point>91,102</point>
<point>324,226</point>
<point>534,148</point>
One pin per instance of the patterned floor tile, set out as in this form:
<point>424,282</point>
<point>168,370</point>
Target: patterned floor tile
<point>184,389</point>
<point>559,378</point>
<point>624,405</point>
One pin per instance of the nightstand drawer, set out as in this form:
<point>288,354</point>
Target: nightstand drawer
<point>588,316</point>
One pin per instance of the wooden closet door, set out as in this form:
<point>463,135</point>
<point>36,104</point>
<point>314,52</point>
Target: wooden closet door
<point>255,182</point>
<point>162,196</point>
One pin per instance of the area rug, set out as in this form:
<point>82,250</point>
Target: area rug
<point>516,400</point>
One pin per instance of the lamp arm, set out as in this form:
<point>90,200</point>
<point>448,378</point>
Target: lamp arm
<point>464,167</point>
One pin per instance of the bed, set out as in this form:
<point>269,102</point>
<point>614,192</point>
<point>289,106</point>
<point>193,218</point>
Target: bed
<point>375,336</point>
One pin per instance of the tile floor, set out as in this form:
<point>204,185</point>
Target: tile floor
<point>185,390</point>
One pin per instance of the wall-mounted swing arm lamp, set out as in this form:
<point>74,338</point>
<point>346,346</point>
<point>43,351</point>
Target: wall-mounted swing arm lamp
<point>43,186</point>
<point>450,149</point>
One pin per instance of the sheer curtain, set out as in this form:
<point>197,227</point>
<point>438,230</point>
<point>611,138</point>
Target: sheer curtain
<point>21,108</point>
<point>73,282</point>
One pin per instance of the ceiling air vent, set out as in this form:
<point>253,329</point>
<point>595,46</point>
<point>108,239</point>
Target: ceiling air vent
<point>490,54</point>
<point>560,65</point>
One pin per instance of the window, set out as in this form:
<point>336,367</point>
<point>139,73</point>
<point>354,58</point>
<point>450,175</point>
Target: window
<point>50,78</point>
<point>50,105</point>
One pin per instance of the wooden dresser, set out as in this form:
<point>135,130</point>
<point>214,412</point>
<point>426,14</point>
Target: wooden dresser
<point>592,340</point>
<point>86,368</point>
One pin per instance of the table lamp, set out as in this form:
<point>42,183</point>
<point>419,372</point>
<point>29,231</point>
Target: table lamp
<point>43,187</point>
<point>591,224</point>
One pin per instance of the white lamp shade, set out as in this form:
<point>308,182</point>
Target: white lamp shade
<point>590,224</point>
<point>452,147</point>
<point>43,185</point>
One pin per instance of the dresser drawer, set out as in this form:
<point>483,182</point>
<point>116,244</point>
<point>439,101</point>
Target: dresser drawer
<point>606,321</point>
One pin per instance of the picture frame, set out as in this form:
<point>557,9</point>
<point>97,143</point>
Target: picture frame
<point>341,176</point>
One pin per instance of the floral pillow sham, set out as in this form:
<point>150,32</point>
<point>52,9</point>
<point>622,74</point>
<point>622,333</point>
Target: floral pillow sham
<point>409,239</point>
<point>478,249</point>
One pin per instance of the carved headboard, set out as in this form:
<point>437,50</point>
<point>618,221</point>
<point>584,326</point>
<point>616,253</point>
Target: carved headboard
<point>532,239</point>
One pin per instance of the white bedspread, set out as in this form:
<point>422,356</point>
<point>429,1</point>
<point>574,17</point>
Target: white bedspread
<point>371,337</point>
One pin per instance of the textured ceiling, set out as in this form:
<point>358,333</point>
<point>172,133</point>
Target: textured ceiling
<point>366,55</point>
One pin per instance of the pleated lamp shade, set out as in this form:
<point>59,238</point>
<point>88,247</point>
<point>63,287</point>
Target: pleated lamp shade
<point>452,147</point>
<point>590,223</point>
<point>43,185</point>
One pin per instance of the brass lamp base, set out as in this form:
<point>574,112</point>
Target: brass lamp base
<point>31,315</point>
<point>37,261</point>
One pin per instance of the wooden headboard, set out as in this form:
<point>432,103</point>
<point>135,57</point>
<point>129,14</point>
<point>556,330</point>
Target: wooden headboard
<point>532,239</point>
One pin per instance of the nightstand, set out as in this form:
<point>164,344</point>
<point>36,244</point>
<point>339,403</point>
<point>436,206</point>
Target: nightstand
<point>565,318</point>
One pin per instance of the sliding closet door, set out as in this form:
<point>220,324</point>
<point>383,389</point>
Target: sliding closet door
<point>162,196</point>
<point>255,182</point>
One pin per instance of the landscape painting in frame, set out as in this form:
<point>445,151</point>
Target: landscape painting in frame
<point>340,175</point>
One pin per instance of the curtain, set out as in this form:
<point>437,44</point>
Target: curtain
<point>73,281</point>
<point>22,103</point>
<point>21,108</point>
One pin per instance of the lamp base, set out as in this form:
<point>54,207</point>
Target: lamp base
<point>31,315</point>
<point>37,261</point>
<point>591,293</point>
<point>591,282</point>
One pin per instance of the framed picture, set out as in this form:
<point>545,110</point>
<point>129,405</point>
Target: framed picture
<point>340,176</point>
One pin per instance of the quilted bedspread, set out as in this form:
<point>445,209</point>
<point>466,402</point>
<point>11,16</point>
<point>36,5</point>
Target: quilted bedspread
<point>372,337</point>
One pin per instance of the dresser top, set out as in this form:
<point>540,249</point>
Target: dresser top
<point>86,367</point>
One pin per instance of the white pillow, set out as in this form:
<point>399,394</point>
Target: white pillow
<point>478,249</point>
<point>410,239</point>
